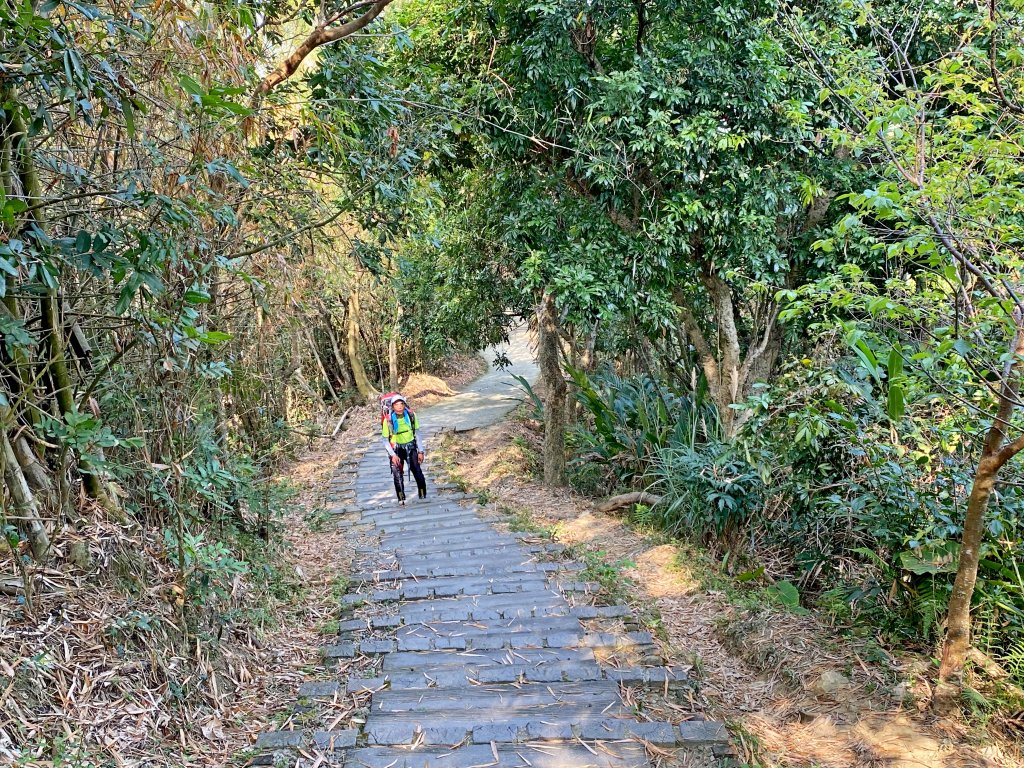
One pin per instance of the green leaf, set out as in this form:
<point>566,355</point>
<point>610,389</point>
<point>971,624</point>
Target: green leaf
<point>932,559</point>
<point>750,575</point>
<point>214,337</point>
<point>129,116</point>
<point>190,86</point>
<point>895,363</point>
<point>786,593</point>
<point>896,405</point>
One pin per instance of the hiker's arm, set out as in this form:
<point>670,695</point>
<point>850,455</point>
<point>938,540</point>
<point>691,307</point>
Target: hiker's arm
<point>386,439</point>
<point>421,440</point>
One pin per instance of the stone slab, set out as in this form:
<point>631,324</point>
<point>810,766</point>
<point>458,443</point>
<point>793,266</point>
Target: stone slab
<point>280,740</point>
<point>335,740</point>
<point>703,732</point>
<point>518,756</point>
<point>434,660</point>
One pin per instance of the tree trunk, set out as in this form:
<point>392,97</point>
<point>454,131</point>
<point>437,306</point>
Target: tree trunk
<point>321,35</point>
<point>393,350</point>
<point>343,368</point>
<point>28,518</point>
<point>216,391</point>
<point>358,372</point>
<point>35,473</point>
<point>995,453</point>
<point>958,624</point>
<point>729,372</point>
<point>555,394</point>
<point>293,367</point>
<point>52,328</point>
<point>589,358</point>
<point>62,389</point>
<point>320,364</point>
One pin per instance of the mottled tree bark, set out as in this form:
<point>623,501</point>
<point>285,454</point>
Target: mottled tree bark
<point>358,372</point>
<point>996,451</point>
<point>555,392</point>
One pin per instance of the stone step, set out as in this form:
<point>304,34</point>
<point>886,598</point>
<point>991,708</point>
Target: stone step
<point>600,611</point>
<point>526,755</point>
<point>444,517</point>
<point>438,543</point>
<point>508,553</point>
<point>475,587</point>
<point>275,743</point>
<point>461,552</point>
<point>461,676</point>
<point>484,567</point>
<point>483,584</point>
<point>477,535</point>
<point>454,676</point>
<point>433,661</point>
<point>541,625</point>
<point>416,509</point>
<point>514,724</point>
<point>600,694</point>
<point>503,561</point>
<point>584,587</point>
<point>481,608</point>
<point>493,641</point>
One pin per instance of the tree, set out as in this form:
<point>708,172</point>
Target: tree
<point>930,99</point>
<point>666,168</point>
<point>329,27</point>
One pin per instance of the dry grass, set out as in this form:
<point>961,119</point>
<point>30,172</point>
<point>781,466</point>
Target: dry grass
<point>758,668</point>
<point>100,672</point>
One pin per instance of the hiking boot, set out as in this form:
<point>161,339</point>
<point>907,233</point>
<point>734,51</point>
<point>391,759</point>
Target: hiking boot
<point>423,493</point>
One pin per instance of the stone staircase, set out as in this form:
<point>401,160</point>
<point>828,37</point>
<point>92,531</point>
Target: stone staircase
<point>466,647</point>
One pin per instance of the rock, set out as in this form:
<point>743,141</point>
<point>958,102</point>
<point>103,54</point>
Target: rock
<point>829,683</point>
<point>78,555</point>
<point>901,692</point>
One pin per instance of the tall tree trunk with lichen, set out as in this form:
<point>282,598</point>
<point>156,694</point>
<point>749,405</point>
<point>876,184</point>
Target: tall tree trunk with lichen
<point>555,393</point>
<point>352,348</point>
<point>49,307</point>
<point>344,371</point>
<point>28,513</point>
<point>393,372</point>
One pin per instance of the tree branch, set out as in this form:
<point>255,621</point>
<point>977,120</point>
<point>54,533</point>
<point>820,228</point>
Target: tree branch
<point>321,35</point>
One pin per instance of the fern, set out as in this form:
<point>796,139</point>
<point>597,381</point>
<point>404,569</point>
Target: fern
<point>928,603</point>
<point>1013,660</point>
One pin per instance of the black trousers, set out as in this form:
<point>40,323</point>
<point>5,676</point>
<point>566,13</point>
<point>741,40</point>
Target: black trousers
<point>408,452</point>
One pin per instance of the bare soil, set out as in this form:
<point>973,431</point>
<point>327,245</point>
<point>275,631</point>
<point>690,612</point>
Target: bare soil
<point>793,690</point>
<point>426,389</point>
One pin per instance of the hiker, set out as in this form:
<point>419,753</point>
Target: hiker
<point>398,428</point>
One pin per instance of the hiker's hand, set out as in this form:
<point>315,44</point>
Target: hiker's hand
<point>396,461</point>
<point>420,456</point>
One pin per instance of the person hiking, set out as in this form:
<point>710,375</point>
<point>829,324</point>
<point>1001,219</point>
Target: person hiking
<point>398,430</point>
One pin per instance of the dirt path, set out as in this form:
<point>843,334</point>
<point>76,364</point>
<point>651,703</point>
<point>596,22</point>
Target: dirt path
<point>492,396</point>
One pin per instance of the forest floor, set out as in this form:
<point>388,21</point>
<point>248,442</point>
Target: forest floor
<point>793,690</point>
<point>96,673</point>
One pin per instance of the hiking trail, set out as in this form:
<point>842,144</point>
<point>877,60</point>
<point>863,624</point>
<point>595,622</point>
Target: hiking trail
<point>468,647</point>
